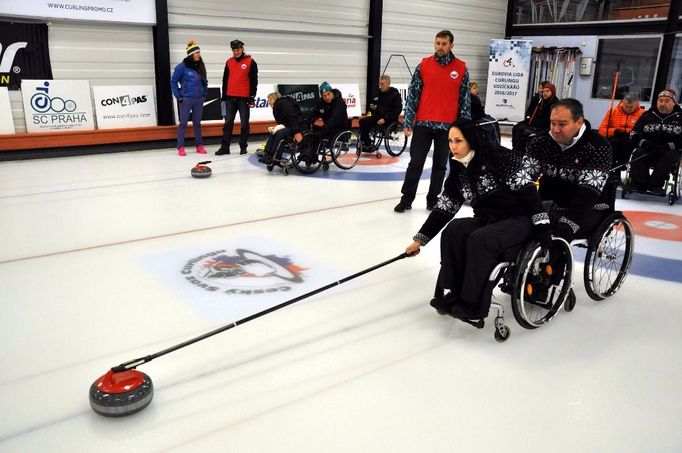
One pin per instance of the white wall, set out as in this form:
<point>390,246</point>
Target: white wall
<point>409,28</point>
<point>292,42</point>
<point>104,54</point>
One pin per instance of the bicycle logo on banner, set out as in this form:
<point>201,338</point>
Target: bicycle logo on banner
<point>42,102</point>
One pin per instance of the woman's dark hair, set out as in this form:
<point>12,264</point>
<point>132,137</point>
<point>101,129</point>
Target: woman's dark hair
<point>196,65</point>
<point>471,134</point>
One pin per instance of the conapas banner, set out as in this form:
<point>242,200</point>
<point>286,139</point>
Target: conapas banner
<point>24,53</point>
<point>124,106</point>
<point>132,11</point>
<point>508,72</point>
<point>57,105</point>
<point>305,95</point>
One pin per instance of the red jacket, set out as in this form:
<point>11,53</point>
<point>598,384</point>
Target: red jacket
<point>240,77</point>
<point>439,99</point>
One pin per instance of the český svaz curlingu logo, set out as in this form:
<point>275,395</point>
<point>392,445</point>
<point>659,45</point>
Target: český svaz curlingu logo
<point>243,272</point>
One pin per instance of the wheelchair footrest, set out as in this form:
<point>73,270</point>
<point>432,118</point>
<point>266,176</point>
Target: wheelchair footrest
<point>478,323</point>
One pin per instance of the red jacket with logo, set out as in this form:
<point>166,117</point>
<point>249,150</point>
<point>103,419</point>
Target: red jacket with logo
<point>439,99</point>
<point>240,77</point>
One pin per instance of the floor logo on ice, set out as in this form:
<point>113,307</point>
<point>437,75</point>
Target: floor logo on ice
<point>244,272</point>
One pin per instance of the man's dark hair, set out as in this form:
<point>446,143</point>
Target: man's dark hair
<point>573,105</point>
<point>446,34</point>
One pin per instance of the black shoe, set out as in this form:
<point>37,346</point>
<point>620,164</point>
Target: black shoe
<point>444,303</point>
<point>402,207</point>
<point>242,151</point>
<point>468,312</point>
<point>222,150</point>
<point>656,191</point>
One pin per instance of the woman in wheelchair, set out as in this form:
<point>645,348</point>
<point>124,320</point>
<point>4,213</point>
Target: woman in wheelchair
<point>471,247</point>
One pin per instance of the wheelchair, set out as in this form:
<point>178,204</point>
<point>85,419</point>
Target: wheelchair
<point>673,191</point>
<point>313,152</point>
<point>392,136</point>
<point>343,149</point>
<point>541,283</point>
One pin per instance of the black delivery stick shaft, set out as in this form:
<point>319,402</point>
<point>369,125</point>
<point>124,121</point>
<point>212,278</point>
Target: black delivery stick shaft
<point>131,364</point>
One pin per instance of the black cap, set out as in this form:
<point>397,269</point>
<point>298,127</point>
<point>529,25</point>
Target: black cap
<point>236,44</point>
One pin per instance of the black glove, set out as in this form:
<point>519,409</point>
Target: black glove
<point>542,233</point>
<point>564,231</point>
<point>620,134</point>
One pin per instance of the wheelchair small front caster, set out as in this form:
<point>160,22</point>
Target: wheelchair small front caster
<point>378,155</point>
<point>285,170</point>
<point>502,333</point>
<point>270,167</point>
<point>325,166</point>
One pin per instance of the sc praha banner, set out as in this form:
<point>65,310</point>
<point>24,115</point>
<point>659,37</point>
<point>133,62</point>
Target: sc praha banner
<point>24,53</point>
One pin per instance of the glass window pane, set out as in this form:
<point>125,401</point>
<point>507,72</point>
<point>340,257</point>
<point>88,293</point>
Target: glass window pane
<point>635,60</point>
<point>552,11</point>
<point>675,73</point>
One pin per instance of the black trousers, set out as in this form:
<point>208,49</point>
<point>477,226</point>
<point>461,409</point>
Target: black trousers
<point>521,132</point>
<point>622,148</point>
<point>366,125</point>
<point>422,137</point>
<point>662,161</point>
<point>469,250</point>
<point>275,139</point>
<point>232,106</point>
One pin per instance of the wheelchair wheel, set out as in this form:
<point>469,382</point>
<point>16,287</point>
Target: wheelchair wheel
<point>306,157</point>
<point>609,256</point>
<point>346,149</point>
<point>540,288</point>
<point>395,140</point>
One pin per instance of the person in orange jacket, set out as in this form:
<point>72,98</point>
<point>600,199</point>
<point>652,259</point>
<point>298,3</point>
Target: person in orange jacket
<point>617,125</point>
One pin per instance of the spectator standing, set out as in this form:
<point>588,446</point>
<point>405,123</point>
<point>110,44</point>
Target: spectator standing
<point>240,80</point>
<point>190,85</point>
<point>438,95</point>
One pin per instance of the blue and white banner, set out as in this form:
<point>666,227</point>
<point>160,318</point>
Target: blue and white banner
<point>57,105</point>
<point>508,72</point>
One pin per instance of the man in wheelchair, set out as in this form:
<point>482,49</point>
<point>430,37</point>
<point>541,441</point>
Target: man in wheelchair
<point>572,163</point>
<point>658,133</point>
<point>330,115</point>
<point>288,114</point>
<point>385,109</point>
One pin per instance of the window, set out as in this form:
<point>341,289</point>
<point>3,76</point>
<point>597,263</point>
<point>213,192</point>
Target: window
<point>552,11</point>
<point>635,60</point>
<point>675,73</point>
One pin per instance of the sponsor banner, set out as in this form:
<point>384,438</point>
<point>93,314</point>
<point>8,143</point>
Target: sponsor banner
<point>351,94</point>
<point>131,11</point>
<point>124,106</point>
<point>231,280</point>
<point>6,121</point>
<point>57,105</point>
<point>24,53</point>
<point>307,96</point>
<point>402,88</point>
<point>508,72</point>
<point>214,110</point>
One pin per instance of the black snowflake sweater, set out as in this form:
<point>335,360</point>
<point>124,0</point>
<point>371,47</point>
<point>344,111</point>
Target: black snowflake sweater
<point>484,183</point>
<point>663,130</point>
<point>574,178</point>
